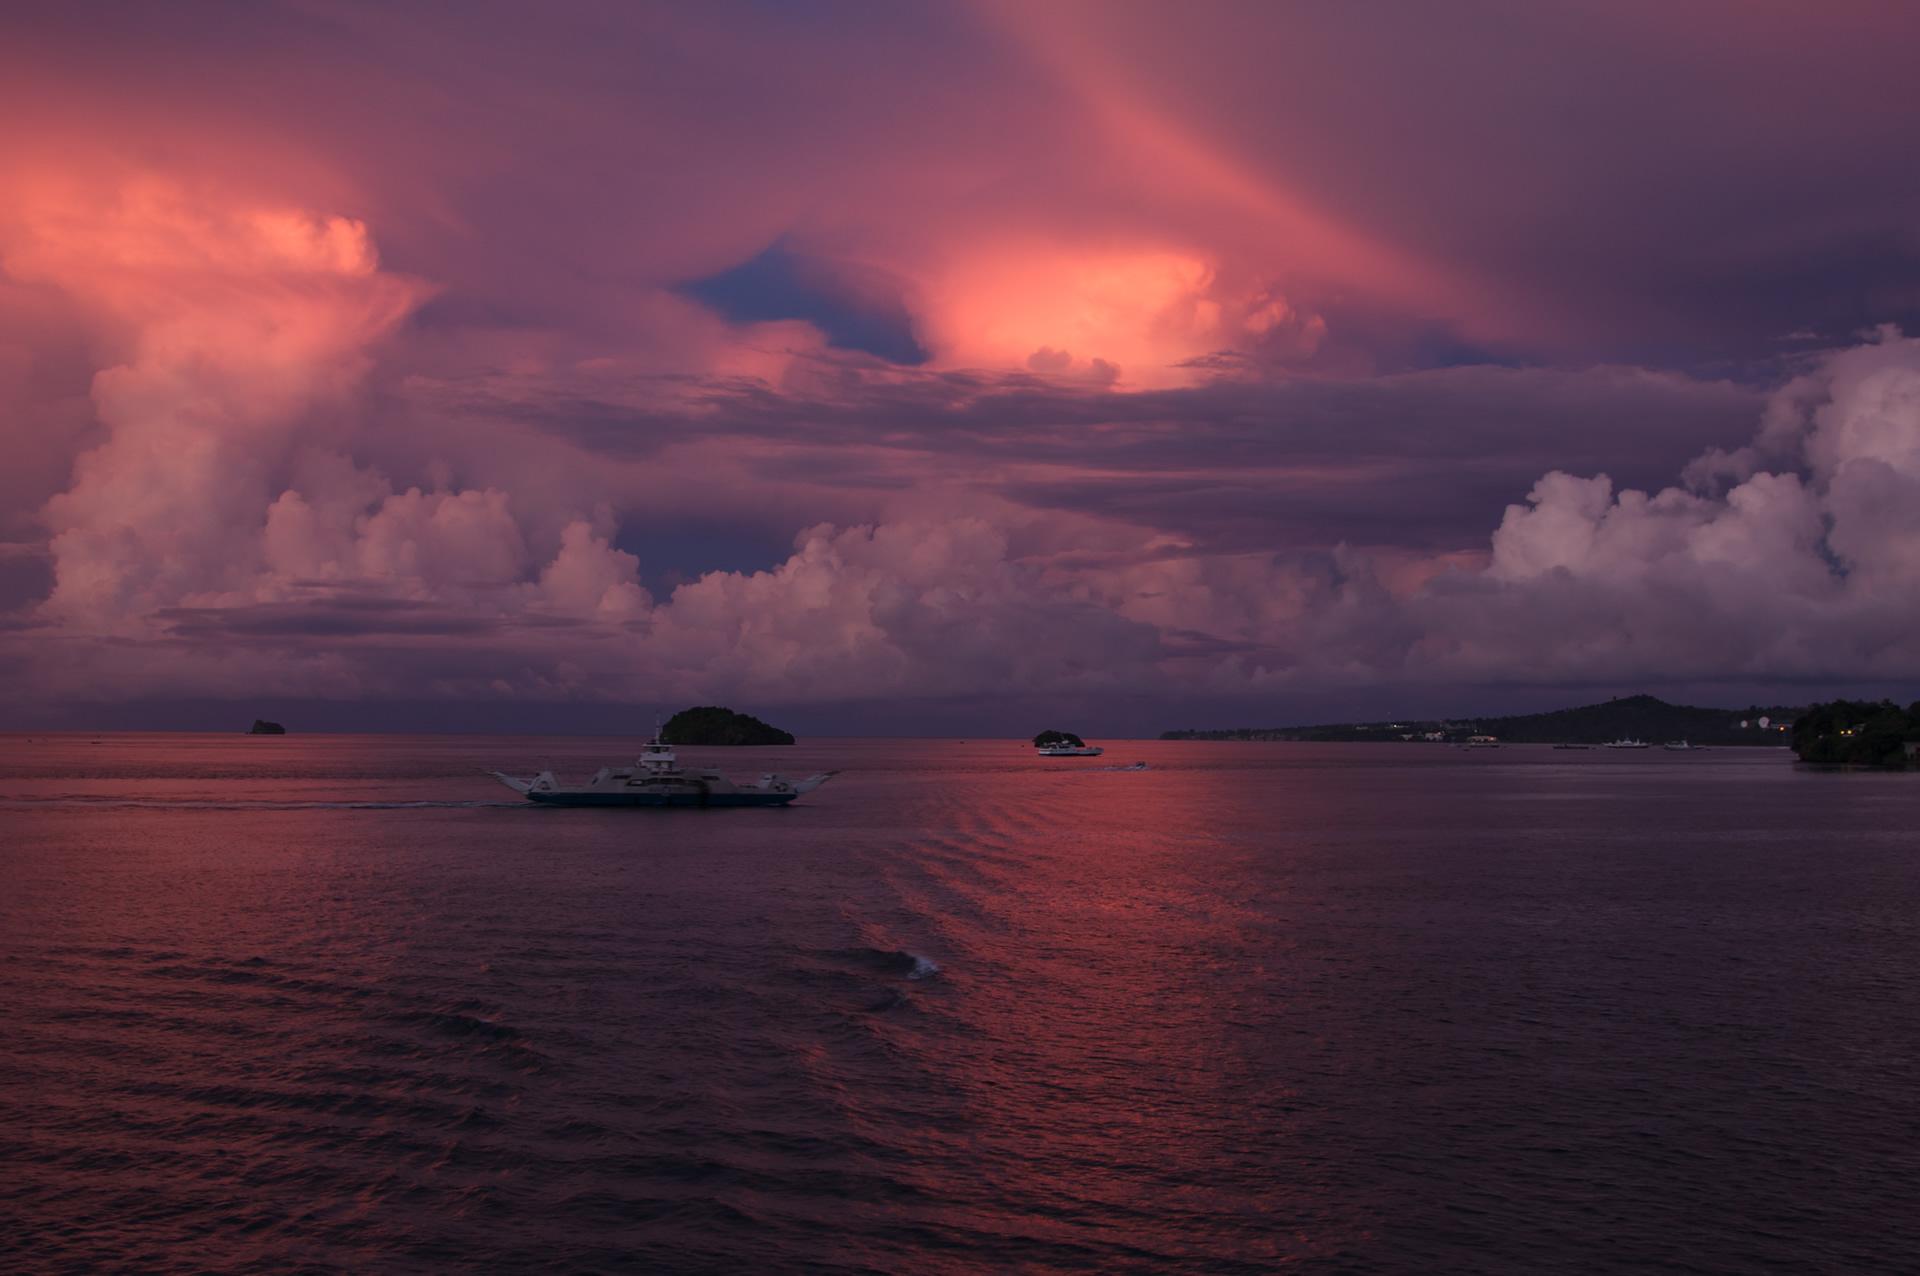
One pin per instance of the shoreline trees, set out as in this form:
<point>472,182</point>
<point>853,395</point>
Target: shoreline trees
<point>1857,733</point>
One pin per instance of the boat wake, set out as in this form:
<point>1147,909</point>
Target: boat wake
<point>193,804</point>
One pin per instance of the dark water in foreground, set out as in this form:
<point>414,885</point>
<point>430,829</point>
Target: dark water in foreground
<point>325,1003</point>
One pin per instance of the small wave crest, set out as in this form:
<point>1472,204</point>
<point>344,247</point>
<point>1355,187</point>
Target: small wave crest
<point>459,1023</point>
<point>895,961</point>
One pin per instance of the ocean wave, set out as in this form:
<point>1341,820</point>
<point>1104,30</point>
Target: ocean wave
<point>459,1024</point>
<point>893,961</point>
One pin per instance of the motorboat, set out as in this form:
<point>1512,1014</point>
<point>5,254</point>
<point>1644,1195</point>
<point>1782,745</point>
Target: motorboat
<point>1064,744</point>
<point>658,779</point>
<point>1628,742</point>
<point>1682,746</point>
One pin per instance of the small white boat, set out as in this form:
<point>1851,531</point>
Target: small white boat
<point>1628,742</point>
<point>1680,746</point>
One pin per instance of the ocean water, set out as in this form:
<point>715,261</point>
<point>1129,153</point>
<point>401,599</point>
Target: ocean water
<point>344,1004</point>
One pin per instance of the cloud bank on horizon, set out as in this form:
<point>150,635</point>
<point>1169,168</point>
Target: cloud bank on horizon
<point>970,355</point>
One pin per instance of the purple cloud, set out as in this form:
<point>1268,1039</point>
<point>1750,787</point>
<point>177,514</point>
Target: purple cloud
<point>1196,360</point>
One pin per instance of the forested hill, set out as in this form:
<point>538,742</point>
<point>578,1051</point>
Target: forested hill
<point>1640,717</point>
<point>709,724</point>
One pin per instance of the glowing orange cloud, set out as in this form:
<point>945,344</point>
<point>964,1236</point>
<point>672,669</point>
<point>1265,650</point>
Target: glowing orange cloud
<point>1089,314</point>
<point>1127,316</point>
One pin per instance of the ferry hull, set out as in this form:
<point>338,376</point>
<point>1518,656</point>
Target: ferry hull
<point>660,784</point>
<point>661,799</point>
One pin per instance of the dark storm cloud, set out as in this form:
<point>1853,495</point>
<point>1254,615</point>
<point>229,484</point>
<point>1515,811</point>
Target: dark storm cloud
<point>26,575</point>
<point>324,618</point>
<point>1417,459</point>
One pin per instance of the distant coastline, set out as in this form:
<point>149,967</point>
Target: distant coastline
<point>1641,717</point>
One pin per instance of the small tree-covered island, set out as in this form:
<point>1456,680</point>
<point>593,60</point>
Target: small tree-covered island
<point>713,725</point>
<point>1047,739</point>
<point>1859,733</point>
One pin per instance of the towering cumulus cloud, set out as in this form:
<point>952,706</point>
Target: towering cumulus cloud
<point>1796,556</point>
<point>238,330</point>
<point>239,337</point>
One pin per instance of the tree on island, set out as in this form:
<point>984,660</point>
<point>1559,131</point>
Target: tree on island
<point>1046,738</point>
<point>714,725</point>
<point>1857,733</point>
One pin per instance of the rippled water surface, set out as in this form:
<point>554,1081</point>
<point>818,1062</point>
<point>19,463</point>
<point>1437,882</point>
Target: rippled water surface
<point>343,1003</point>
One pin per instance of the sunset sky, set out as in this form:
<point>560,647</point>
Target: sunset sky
<point>953,368</point>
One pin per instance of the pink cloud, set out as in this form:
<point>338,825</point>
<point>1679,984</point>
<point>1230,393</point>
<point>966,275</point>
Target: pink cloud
<point>228,491</point>
<point>344,374</point>
<point>234,325</point>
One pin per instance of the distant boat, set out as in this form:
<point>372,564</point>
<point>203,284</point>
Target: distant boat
<point>1681,746</point>
<point>1628,742</point>
<point>1573,746</point>
<point>1069,750</point>
<point>658,779</point>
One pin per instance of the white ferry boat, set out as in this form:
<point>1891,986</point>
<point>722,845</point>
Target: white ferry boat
<point>658,779</point>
